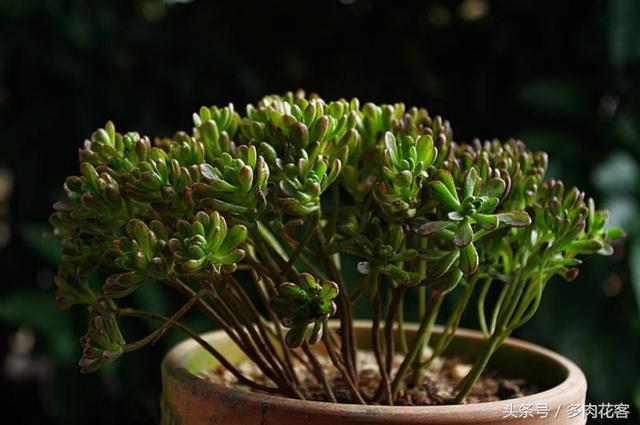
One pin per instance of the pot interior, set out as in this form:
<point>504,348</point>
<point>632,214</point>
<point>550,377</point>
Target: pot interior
<point>514,361</point>
<point>511,360</point>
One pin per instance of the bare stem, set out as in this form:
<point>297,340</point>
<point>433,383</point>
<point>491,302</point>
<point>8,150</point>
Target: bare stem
<point>463,388</point>
<point>331,351</point>
<point>404,345</point>
<point>204,344</point>
<point>293,244</point>
<point>299,248</point>
<point>388,328</point>
<point>450,328</point>
<point>347,334</point>
<point>422,302</point>
<point>385,384</point>
<point>252,349</point>
<point>319,372</point>
<point>422,337</point>
<point>278,333</point>
<point>252,319</point>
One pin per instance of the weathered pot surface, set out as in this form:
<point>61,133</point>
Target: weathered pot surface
<point>190,400</point>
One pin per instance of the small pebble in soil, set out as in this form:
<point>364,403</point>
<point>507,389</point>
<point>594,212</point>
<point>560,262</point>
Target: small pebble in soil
<point>460,370</point>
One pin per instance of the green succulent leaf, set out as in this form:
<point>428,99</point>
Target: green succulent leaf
<point>443,264</point>
<point>207,244</point>
<point>102,344</point>
<point>122,284</point>
<point>295,336</point>
<point>72,290</point>
<point>514,219</point>
<point>299,304</point>
<point>494,188</point>
<point>464,234</point>
<point>615,233</point>
<point>470,183</point>
<point>445,284</point>
<point>442,193</point>
<point>487,221</point>
<point>432,227</point>
<point>469,260</point>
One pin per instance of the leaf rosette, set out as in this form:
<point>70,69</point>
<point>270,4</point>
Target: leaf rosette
<point>299,305</point>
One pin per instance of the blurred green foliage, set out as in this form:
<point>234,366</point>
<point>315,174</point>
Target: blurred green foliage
<point>565,79</point>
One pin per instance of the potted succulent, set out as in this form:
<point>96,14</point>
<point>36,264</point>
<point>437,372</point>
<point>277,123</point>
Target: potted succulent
<point>276,223</point>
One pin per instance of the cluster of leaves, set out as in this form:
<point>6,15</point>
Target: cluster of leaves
<point>418,211</point>
<point>304,303</point>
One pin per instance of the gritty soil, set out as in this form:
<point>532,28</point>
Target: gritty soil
<point>437,388</point>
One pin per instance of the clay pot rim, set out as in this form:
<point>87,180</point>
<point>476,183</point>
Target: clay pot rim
<point>556,397</point>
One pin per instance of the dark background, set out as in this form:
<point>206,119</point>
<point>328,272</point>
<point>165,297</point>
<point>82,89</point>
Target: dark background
<point>563,76</point>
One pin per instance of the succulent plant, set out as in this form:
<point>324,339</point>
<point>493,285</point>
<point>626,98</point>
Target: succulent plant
<point>102,344</point>
<point>207,244</point>
<point>267,204</point>
<point>304,303</point>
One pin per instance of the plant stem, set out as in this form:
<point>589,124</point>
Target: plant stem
<point>463,388</point>
<point>422,301</point>
<point>252,349</point>
<point>266,271</point>
<point>158,333</point>
<point>451,327</point>
<point>328,342</point>
<point>249,348</point>
<point>209,311</point>
<point>270,240</point>
<point>356,290</point>
<point>204,344</point>
<point>500,333</point>
<point>347,334</point>
<point>529,304</point>
<point>261,340</point>
<point>404,345</point>
<point>388,328</point>
<point>319,372</point>
<point>335,209</point>
<point>422,337</point>
<point>298,250</point>
<point>496,310</point>
<point>293,353</point>
<point>274,260</point>
<point>377,348</point>
<point>513,296</point>
<point>231,331</point>
<point>259,284</point>
<point>293,244</point>
<point>253,320</point>
<point>481,306</point>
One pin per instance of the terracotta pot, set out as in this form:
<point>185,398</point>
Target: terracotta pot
<point>189,400</point>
